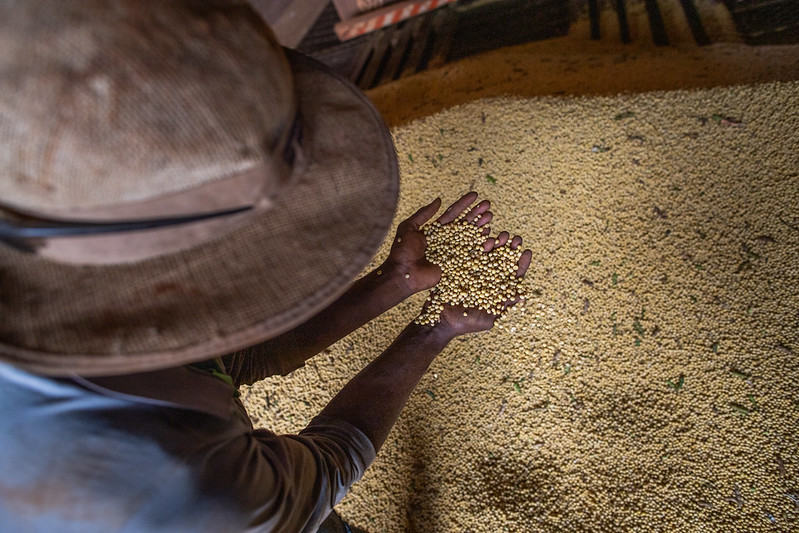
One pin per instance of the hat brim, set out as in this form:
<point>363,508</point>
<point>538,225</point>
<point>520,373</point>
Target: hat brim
<point>274,271</point>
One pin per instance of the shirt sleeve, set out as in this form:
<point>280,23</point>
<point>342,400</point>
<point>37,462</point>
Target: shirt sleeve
<point>292,482</point>
<point>262,360</point>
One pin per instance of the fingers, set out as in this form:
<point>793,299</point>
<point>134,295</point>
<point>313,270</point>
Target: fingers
<point>425,213</point>
<point>457,208</point>
<point>502,238</point>
<point>478,211</point>
<point>524,263</point>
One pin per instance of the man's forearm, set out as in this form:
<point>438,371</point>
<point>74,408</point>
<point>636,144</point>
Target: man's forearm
<point>373,399</point>
<point>367,298</point>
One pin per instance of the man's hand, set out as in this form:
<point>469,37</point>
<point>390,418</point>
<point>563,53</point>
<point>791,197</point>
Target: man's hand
<point>407,250</point>
<point>458,320</point>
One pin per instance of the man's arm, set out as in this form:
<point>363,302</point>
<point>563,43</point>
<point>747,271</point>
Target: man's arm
<point>318,466</point>
<point>404,273</point>
<point>373,399</point>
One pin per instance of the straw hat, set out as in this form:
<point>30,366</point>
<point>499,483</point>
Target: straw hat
<point>173,184</point>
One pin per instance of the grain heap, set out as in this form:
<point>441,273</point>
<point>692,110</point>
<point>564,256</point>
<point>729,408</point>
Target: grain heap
<point>651,383</point>
<point>471,277</point>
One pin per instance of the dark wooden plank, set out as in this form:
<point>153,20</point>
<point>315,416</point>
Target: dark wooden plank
<point>419,45</point>
<point>444,24</point>
<point>593,15</point>
<point>656,23</point>
<point>507,23</point>
<point>400,48</point>
<point>624,25</point>
<point>377,59</point>
<point>361,62</point>
<point>695,23</point>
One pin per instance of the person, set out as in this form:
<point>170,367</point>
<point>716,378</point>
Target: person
<point>183,207</point>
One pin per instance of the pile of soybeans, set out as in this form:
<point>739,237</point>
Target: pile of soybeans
<point>650,379</point>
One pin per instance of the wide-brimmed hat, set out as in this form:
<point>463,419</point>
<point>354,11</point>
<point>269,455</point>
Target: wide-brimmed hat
<point>174,185</point>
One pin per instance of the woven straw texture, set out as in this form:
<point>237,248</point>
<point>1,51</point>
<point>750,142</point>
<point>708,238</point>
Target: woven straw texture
<point>97,114</point>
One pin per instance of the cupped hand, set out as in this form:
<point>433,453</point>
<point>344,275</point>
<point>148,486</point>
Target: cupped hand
<point>407,250</point>
<point>459,320</point>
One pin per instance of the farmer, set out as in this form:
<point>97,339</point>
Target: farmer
<point>183,207</point>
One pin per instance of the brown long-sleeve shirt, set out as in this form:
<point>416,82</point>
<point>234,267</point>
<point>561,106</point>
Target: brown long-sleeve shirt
<point>171,450</point>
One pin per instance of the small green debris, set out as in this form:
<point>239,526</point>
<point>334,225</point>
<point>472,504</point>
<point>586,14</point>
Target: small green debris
<point>626,114</point>
<point>410,157</point>
<point>221,375</point>
<point>440,158</point>
<point>740,408</point>
<point>699,266</point>
<point>517,387</point>
<point>490,178</point>
<point>715,347</point>
<point>600,148</point>
<point>638,327</point>
<point>541,406</point>
<point>676,386</point>
<point>430,393</point>
<point>753,401</point>
<point>726,121</point>
<point>595,262</point>
<point>739,374</point>
<point>637,341</point>
<point>567,368</point>
<point>614,278</point>
<point>441,131</point>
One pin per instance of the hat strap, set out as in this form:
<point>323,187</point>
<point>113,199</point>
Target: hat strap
<point>24,237</point>
<point>165,224</point>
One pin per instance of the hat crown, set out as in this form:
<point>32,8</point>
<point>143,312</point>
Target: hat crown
<point>105,103</point>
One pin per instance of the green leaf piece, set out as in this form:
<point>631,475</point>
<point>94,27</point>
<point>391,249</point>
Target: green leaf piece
<point>751,398</point>
<point>676,386</point>
<point>490,178</point>
<point>740,408</point>
<point>739,374</point>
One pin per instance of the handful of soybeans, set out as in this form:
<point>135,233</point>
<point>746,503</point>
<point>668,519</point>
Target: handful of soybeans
<point>470,276</point>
